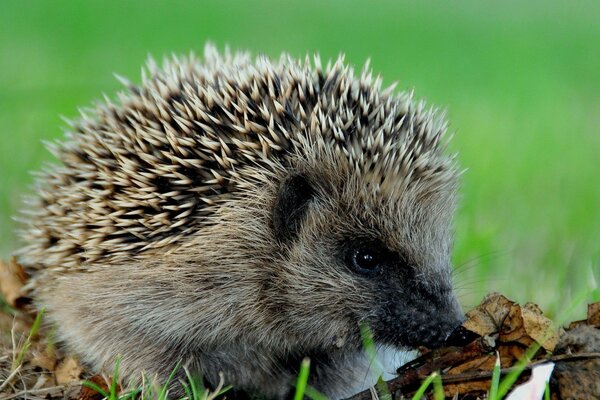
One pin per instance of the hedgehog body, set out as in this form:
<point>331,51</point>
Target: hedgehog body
<point>237,215</point>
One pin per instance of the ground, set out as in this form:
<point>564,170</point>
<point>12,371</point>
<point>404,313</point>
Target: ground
<point>520,82</point>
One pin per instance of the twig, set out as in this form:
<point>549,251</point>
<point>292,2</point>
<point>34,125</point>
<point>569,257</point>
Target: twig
<point>471,376</point>
<point>10,378</point>
<point>33,392</point>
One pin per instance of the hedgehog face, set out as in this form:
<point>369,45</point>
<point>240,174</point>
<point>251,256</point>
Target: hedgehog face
<point>352,258</point>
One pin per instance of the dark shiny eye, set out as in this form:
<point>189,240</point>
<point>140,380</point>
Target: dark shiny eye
<point>367,256</point>
<point>365,260</point>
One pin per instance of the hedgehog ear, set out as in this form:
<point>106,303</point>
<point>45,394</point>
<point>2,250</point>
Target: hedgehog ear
<point>290,207</point>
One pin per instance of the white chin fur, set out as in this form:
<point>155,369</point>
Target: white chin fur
<point>388,360</point>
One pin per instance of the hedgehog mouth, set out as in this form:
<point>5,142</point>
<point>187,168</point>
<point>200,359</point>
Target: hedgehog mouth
<point>418,330</point>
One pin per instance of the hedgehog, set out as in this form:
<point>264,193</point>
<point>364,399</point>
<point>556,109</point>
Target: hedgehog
<point>234,215</point>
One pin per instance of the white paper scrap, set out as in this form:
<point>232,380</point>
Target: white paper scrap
<point>534,388</point>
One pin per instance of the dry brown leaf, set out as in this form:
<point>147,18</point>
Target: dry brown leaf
<point>514,323</point>
<point>69,370</point>
<point>12,279</point>
<point>487,318</point>
<point>43,360</point>
<point>509,354</point>
<point>513,329</point>
<point>527,325</point>
<point>593,315</point>
<point>575,324</point>
<point>481,363</point>
<point>538,327</point>
<point>475,388</point>
<point>87,393</point>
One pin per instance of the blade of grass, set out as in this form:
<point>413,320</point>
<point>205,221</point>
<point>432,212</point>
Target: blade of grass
<point>188,393</point>
<point>302,381</point>
<point>34,329</point>
<point>424,385</point>
<point>113,383</point>
<point>164,391</point>
<point>371,352</point>
<point>382,389</point>
<point>224,390</point>
<point>194,386</point>
<point>438,388</point>
<point>314,394</point>
<point>219,390</point>
<point>493,393</point>
<point>368,343</point>
<point>132,395</point>
<point>95,388</point>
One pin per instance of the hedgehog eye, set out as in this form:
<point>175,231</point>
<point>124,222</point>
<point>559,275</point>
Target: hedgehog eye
<point>365,259</point>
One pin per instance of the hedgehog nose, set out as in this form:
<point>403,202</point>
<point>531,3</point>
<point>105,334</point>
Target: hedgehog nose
<point>460,337</point>
<point>442,331</point>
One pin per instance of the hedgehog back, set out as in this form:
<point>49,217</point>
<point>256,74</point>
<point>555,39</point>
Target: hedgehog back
<point>144,174</point>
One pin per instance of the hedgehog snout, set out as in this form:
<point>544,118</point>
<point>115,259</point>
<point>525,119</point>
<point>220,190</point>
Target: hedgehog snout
<point>432,331</point>
<point>441,331</point>
<point>414,315</point>
<point>443,322</point>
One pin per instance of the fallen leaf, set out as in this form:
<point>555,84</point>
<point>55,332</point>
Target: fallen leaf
<point>69,370</point>
<point>487,318</point>
<point>527,325</point>
<point>593,315</point>
<point>539,327</point>
<point>481,363</point>
<point>12,279</point>
<point>511,353</point>
<point>87,393</point>
<point>43,360</point>
<point>513,329</point>
<point>476,389</point>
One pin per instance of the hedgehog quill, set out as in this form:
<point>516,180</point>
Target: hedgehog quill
<point>238,214</point>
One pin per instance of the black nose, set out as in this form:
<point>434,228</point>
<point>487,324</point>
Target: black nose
<point>460,336</point>
<point>435,334</point>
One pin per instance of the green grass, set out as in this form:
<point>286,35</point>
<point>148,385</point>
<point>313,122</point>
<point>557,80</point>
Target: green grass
<point>112,393</point>
<point>151,390</point>
<point>302,380</point>
<point>431,379</point>
<point>35,327</point>
<point>375,369</point>
<point>520,81</point>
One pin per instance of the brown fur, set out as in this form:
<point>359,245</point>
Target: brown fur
<point>155,239</point>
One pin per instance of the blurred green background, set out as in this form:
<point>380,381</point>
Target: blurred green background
<point>520,81</point>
